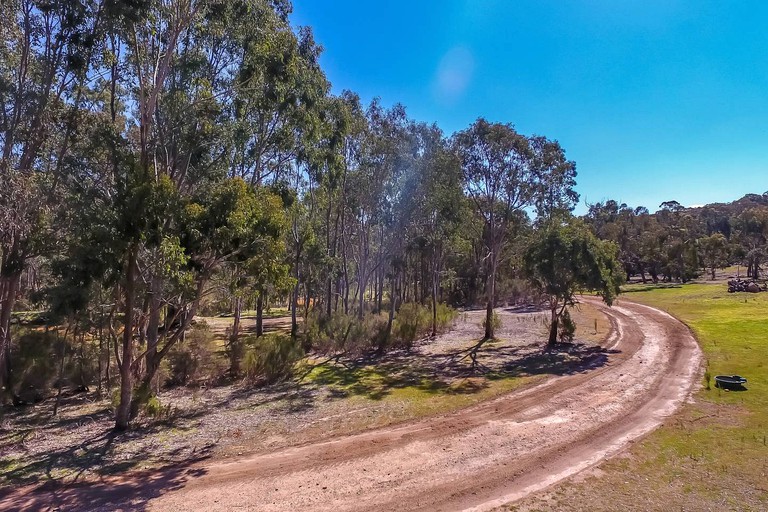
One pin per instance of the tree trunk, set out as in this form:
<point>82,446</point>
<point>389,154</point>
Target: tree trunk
<point>380,292</point>
<point>260,315</point>
<point>434,303</point>
<point>123,413</point>
<point>235,349</point>
<point>361,295</point>
<point>392,307</point>
<point>99,388</point>
<point>295,294</point>
<point>153,325</point>
<point>553,327</point>
<point>491,286</point>
<point>294,305</point>
<point>8,287</point>
<point>62,352</point>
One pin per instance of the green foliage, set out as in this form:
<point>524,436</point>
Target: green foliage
<point>155,410</point>
<point>713,251</point>
<point>412,322</point>
<point>566,327</point>
<point>271,358</point>
<point>344,333</point>
<point>35,358</point>
<point>565,257</point>
<point>193,359</point>
<point>153,407</point>
<point>348,333</point>
<point>446,317</point>
<point>495,322</point>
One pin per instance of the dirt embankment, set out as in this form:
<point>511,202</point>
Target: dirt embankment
<point>474,459</point>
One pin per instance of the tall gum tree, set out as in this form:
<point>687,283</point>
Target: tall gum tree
<point>499,179</point>
<point>46,50</point>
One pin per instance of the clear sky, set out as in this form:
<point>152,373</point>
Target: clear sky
<point>655,100</point>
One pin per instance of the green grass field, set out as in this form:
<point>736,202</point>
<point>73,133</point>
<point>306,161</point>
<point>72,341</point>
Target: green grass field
<point>712,455</point>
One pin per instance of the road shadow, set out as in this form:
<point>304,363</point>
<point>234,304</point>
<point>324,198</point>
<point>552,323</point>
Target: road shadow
<point>563,359</point>
<point>130,493</point>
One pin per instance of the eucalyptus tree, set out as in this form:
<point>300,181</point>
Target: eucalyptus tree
<point>46,50</point>
<point>173,69</point>
<point>565,258</point>
<point>713,252</point>
<point>555,176</point>
<point>434,202</point>
<point>275,113</point>
<point>499,179</point>
<point>375,189</point>
<point>752,228</point>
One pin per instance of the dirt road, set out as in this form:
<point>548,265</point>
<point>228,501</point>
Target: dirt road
<point>475,459</point>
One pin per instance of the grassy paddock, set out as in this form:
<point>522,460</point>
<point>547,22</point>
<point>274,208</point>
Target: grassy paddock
<point>714,453</point>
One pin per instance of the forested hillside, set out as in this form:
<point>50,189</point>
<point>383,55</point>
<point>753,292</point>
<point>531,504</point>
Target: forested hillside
<point>678,243</point>
<point>166,160</point>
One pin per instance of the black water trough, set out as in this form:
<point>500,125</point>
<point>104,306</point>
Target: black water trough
<point>735,382</point>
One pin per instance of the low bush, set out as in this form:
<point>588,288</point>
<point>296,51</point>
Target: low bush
<point>566,328</point>
<point>193,359</point>
<point>349,334</point>
<point>35,357</point>
<point>271,358</point>
<point>496,322</point>
<point>344,333</point>
<point>413,321</point>
<point>446,317</point>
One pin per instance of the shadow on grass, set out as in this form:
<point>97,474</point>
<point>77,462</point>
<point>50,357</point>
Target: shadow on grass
<point>526,308</point>
<point>93,456</point>
<point>649,287</point>
<point>376,378</point>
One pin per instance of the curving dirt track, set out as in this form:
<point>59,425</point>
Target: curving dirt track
<point>475,459</point>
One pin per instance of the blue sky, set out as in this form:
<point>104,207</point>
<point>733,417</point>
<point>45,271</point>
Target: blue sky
<point>654,100</point>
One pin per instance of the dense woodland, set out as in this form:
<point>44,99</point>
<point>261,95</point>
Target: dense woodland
<point>164,161</point>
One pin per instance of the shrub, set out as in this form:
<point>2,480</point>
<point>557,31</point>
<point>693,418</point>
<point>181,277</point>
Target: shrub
<point>566,327</point>
<point>412,322</point>
<point>347,333</point>
<point>35,358</point>
<point>193,359</point>
<point>343,333</point>
<point>37,354</point>
<point>272,357</point>
<point>154,409</point>
<point>495,322</point>
<point>446,317</point>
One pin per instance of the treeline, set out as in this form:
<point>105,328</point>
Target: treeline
<point>167,159</point>
<point>680,244</point>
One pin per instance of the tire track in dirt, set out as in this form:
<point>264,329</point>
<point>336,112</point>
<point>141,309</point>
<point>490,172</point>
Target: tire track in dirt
<point>482,456</point>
